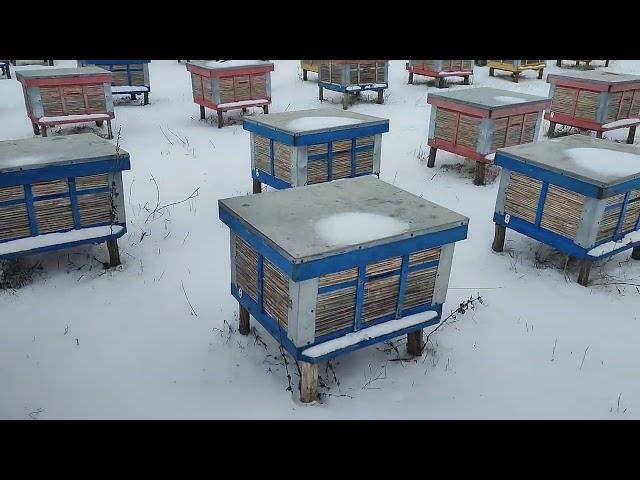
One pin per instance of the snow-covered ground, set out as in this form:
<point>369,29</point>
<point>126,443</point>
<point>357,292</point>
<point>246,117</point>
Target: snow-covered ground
<point>151,339</point>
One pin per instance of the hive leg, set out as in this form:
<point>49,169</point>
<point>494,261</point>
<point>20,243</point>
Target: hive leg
<point>410,77</point>
<point>320,95</point>
<point>220,120</point>
<point>440,82</point>
<point>257,186</point>
<point>380,96</point>
<point>51,63</point>
<point>577,63</point>
<point>599,134</point>
<point>146,98</point>
<point>498,238</point>
<point>515,77</point>
<point>244,109</point>
<point>345,101</point>
<point>585,269</point>
<point>202,115</point>
<point>265,109</point>
<point>465,80</point>
<point>540,72</point>
<point>114,252</point>
<point>304,75</point>
<point>109,130</point>
<point>36,129</point>
<point>414,343</point>
<point>559,63</point>
<point>606,63</point>
<point>308,382</point>
<point>243,326</point>
<point>635,253</point>
<point>99,123</point>
<point>552,129</point>
<point>44,131</point>
<point>478,179</point>
<point>491,71</point>
<point>432,157</point>
<point>133,96</point>
<point>632,134</point>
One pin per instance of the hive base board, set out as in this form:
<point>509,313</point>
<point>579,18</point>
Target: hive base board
<point>584,125</point>
<point>439,76</point>
<point>219,111</point>
<point>349,94</point>
<point>431,313</point>
<point>110,239</point>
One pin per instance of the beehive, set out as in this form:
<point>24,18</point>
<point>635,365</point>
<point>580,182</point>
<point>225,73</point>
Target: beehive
<point>293,149</point>
<point>476,122</point>
<point>578,194</point>
<point>32,62</point>
<point>516,67</point>
<point>130,77</point>
<point>309,66</point>
<point>586,62</point>
<point>337,266</point>
<point>439,69</point>
<point>60,192</point>
<point>353,76</point>
<point>56,96</point>
<point>224,85</point>
<point>594,100</point>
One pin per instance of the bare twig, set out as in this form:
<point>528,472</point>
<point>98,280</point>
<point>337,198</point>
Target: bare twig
<point>193,312</point>
<point>584,356</point>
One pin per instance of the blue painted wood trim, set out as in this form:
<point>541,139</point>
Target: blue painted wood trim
<point>404,272</point>
<point>330,162</point>
<point>541,200</point>
<point>625,203</point>
<point>31,212</point>
<point>353,157</point>
<point>362,272</point>
<point>313,138</point>
<point>336,263</point>
<point>75,209</point>
<point>270,180</point>
<point>103,165</point>
<point>62,246</point>
<point>337,286</point>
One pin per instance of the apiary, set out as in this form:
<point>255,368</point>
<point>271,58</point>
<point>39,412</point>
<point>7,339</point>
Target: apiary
<point>440,69</point>
<point>516,67</point>
<point>224,85</point>
<point>334,267</point>
<point>130,77</point>
<point>578,194</point>
<point>475,122</point>
<point>350,77</point>
<point>58,96</point>
<point>595,100</point>
<point>292,149</point>
<point>59,192</point>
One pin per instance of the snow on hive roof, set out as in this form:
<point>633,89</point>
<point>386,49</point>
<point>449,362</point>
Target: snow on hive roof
<point>600,76</point>
<point>303,121</point>
<point>47,72</point>
<point>486,97</point>
<point>593,160</point>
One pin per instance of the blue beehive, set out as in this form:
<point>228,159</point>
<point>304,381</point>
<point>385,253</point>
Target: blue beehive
<point>59,192</point>
<point>130,77</point>
<point>293,149</point>
<point>337,266</point>
<point>578,194</point>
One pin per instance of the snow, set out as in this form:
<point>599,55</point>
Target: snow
<point>49,239</point>
<point>25,160</point>
<point>358,227</point>
<point>608,247</point>
<point>605,162</point>
<point>627,122</point>
<point>508,99</point>
<point>142,354</point>
<point>70,118</point>
<point>234,63</point>
<point>128,88</point>
<point>368,333</point>
<point>317,123</point>
<point>243,103</point>
<point>490,156</point>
